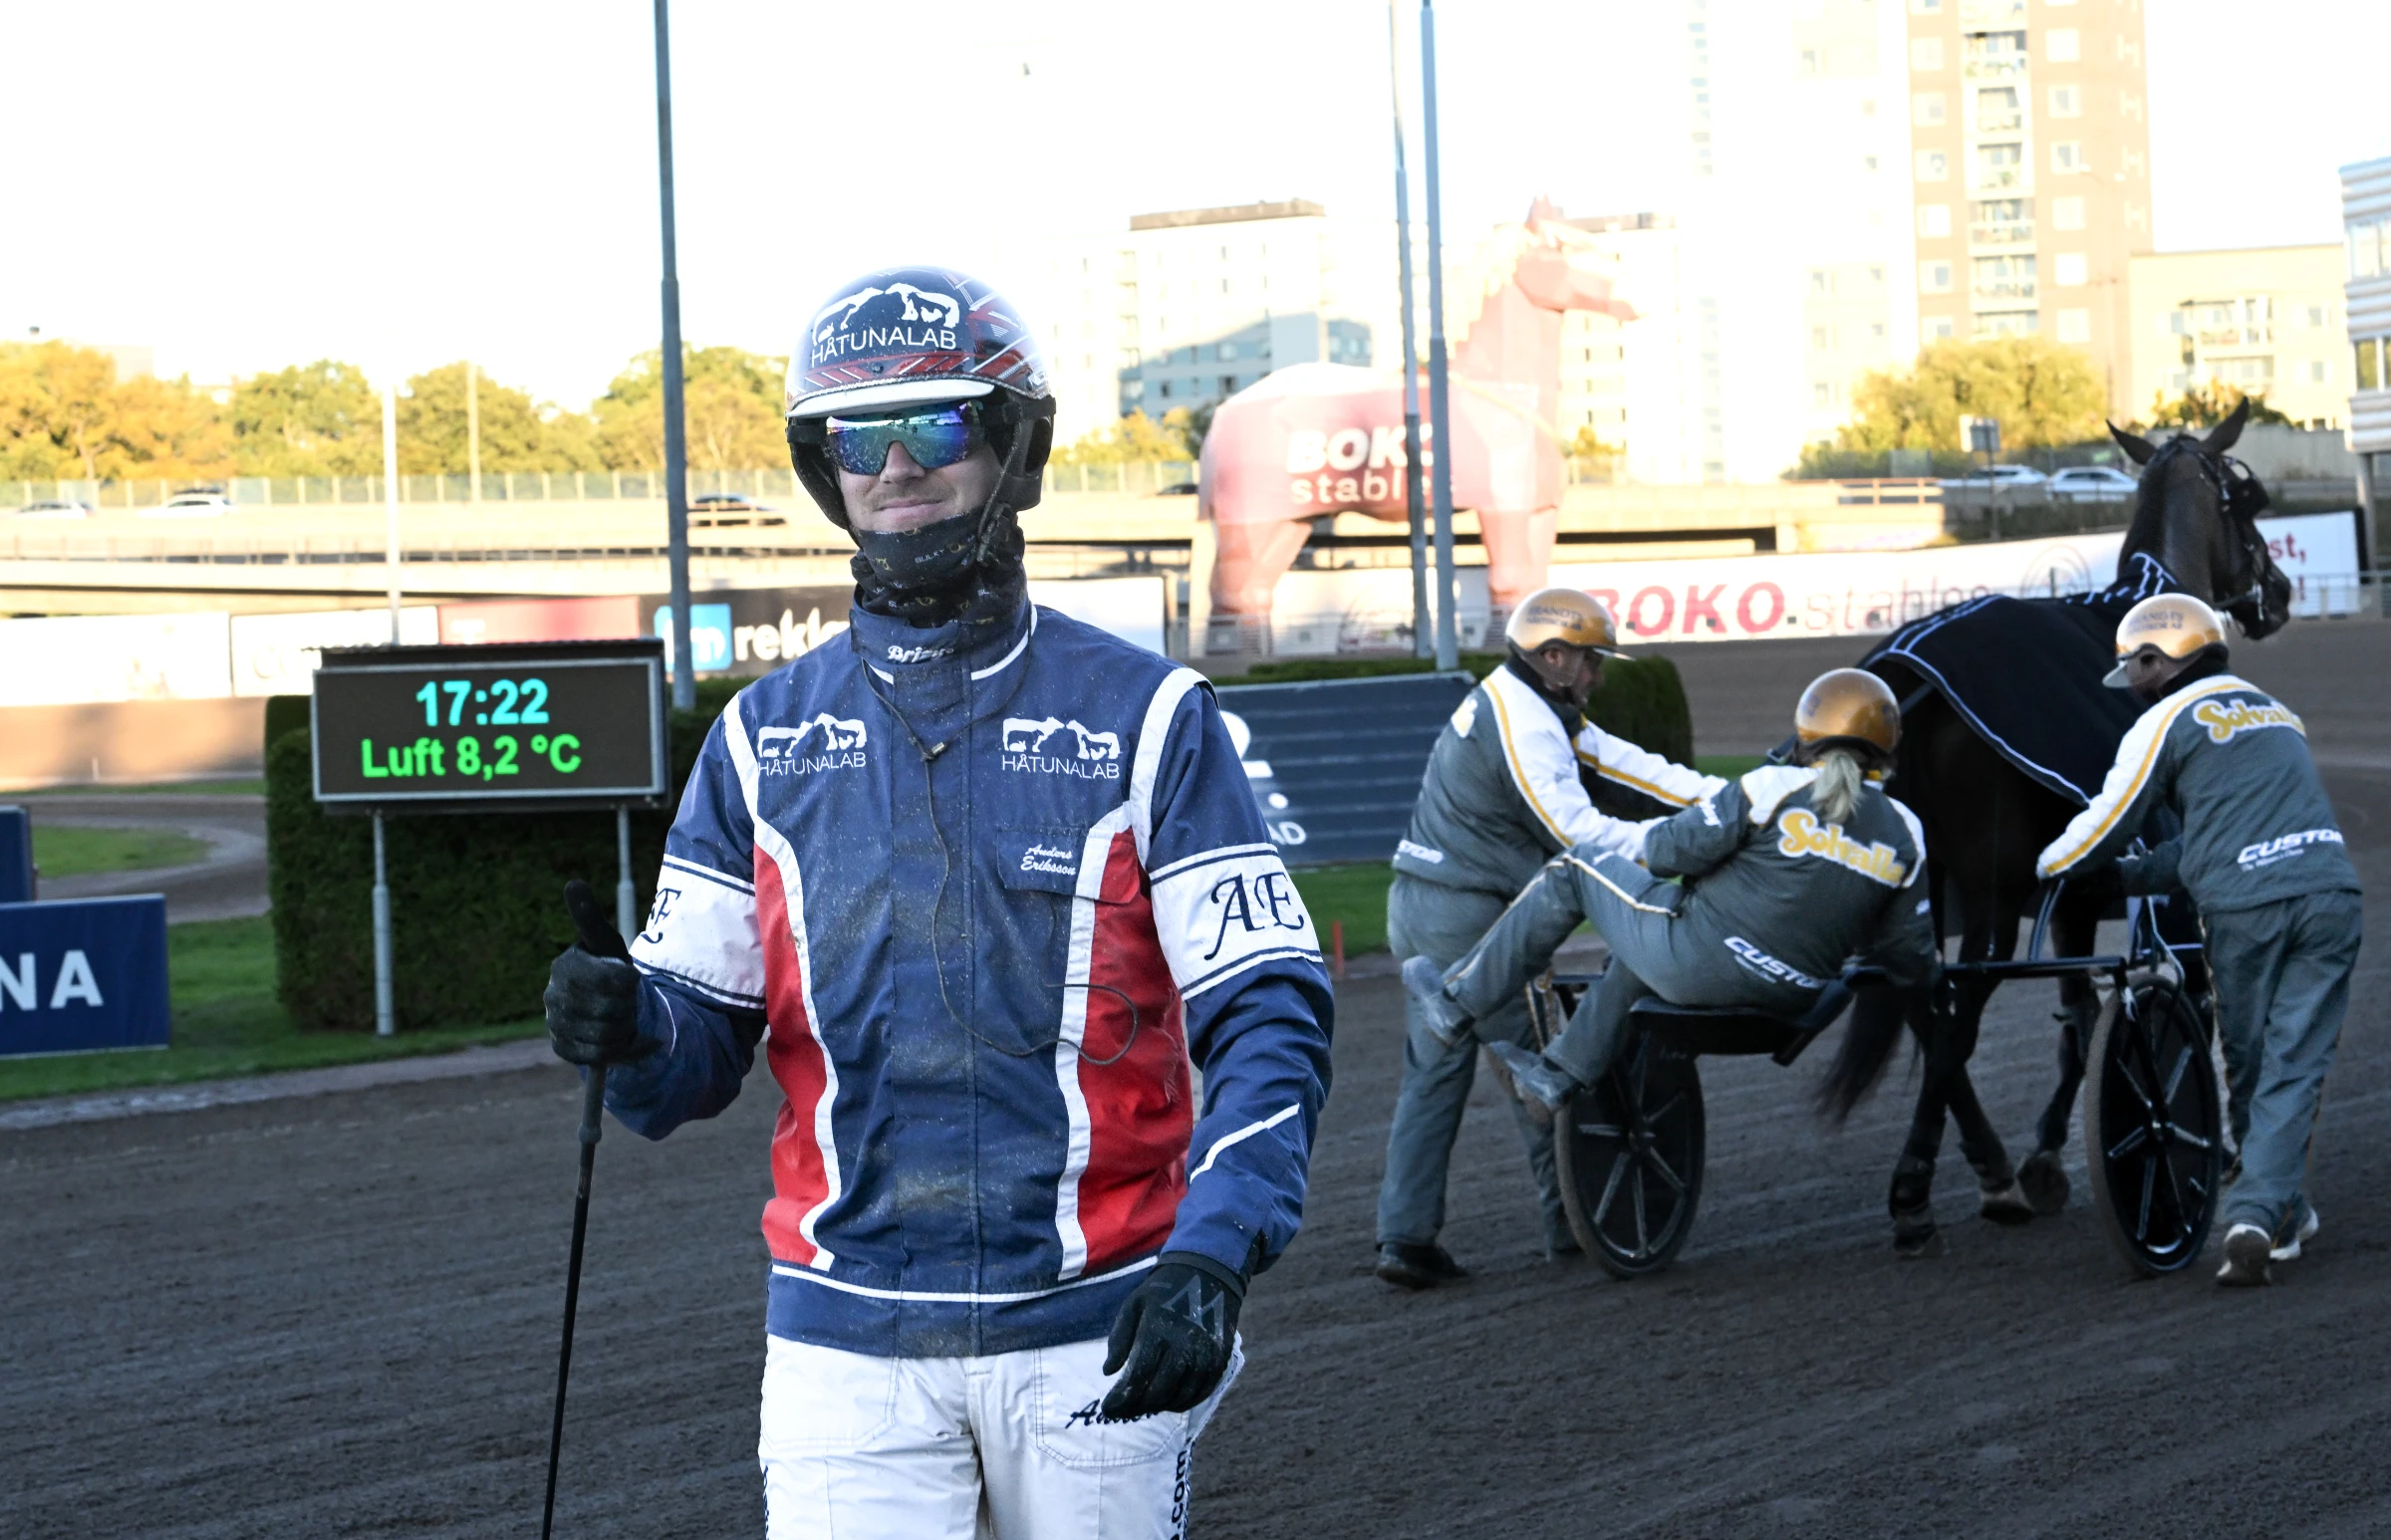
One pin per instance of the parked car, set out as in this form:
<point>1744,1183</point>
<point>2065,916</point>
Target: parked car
<point>2010,478</point>
<point>191,505</point>
<point>2093,484</point>
<point>731,510</point>
<point>54,508</point>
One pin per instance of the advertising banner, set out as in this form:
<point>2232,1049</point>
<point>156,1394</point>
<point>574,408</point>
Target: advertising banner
<point>750,631</point>
<point>537,620</point>
<point>1860,594</point>
<point>74,659</point>
<point>274,654</point>
<point>1747,598</point>
<point>1129,607</point>
<point>83,974</point>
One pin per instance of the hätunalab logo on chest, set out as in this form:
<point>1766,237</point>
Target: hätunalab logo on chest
<point>823,742</point>
<point>1037,745</point>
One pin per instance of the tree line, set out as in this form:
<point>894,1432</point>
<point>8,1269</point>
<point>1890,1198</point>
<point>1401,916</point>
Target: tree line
<point>66,415</point>
<point>2045,395</point>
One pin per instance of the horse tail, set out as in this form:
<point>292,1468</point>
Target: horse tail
<point>1877,1017</point>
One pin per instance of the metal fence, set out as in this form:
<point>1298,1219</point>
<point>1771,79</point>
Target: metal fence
<point>495,487</point>
<point>1136,478</point>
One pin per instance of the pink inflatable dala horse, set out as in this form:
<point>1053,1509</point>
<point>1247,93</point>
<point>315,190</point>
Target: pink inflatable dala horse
<point>1315,440</point>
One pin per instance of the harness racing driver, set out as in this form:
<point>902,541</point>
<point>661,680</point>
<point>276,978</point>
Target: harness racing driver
<point>2262,858</point>
<point>1788,873</point>
<point>1505,788</point>
<point>981,881</point>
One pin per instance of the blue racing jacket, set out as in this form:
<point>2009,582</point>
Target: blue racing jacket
<point>979,893</point>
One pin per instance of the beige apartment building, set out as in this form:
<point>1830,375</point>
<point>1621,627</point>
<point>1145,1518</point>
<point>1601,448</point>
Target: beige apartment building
<point>2267,322</point>
<point>2029,141</point>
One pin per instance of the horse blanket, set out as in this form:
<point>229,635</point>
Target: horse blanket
<point>2025,673</point>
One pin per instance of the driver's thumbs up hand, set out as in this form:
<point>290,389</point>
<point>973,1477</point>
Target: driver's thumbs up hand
<point>593,997</point>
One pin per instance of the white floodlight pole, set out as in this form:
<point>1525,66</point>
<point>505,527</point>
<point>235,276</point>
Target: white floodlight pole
<point>1439,406</point>
<point>390,499</point>
<point>1421,644</point>
<point>676,454</point>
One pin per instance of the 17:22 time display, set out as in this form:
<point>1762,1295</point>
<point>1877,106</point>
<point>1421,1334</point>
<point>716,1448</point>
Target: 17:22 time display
<point>516,703</point>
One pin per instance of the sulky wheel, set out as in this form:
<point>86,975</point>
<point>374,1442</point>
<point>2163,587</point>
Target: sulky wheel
<point>1629,1151</point>
<point>2153,1130</point>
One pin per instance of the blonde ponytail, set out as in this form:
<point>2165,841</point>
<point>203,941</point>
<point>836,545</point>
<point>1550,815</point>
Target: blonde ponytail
<point>1836,793</point>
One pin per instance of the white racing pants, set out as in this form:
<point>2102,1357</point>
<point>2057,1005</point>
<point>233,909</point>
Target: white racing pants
<point>1004,1447</point>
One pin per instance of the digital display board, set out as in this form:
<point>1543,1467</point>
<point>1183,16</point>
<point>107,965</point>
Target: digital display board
<point>527,725</point>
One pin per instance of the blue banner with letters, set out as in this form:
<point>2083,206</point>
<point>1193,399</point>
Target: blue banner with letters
<point>1335,764</point>
<point>82,973</point>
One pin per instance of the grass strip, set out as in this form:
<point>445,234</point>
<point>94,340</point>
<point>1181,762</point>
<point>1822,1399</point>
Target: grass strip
<point>228,1023</point>
<point>1356,894</point>
<point>62,850</point>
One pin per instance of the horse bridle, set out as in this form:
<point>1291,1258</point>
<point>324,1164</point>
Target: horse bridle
<point>2240,497</point>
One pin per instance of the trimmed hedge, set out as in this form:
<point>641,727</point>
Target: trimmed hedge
<point>477,899</point>
<point>1640,700</point>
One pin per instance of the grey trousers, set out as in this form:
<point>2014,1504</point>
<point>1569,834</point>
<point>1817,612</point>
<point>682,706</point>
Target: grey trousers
<point>1427,921</point>
<point>1653,952</point>
<point>2282,975</point>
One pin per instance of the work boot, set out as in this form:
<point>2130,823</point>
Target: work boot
<point>1541,1086</point>
<point>1447,1022</point>
<point>1410,1264</point>
<point>2248,1248</point>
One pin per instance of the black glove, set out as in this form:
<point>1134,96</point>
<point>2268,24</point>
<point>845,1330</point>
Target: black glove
<point>592,996</point>
<point>1176,1334</point>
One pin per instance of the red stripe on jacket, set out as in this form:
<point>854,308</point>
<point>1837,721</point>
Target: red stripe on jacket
<point>1141,1106</point>
<point>799,1180</point>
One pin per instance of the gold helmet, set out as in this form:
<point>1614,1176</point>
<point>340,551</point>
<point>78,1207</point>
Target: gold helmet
<point>2175,626</point>
<point>1851,705</point>
<point>1564,616</point>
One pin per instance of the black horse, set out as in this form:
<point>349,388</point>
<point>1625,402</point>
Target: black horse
<point>1986,820</point>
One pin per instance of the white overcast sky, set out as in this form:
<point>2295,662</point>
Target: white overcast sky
<point>248,184</point>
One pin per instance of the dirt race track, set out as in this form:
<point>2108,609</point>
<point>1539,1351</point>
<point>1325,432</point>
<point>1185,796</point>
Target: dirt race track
<point>337,1315</point>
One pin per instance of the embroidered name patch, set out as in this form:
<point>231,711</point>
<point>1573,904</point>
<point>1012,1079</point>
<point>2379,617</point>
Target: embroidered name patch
<point>1800,834</point>
<point>2222,721</point>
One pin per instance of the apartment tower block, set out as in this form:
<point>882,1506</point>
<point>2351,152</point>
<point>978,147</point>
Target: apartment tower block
<point>2030,134</point>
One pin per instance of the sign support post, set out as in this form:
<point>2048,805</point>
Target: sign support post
<point>384,1020</point>
<point>625,895</point>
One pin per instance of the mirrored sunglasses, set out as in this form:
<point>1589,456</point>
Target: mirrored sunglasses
<point>939,437</point>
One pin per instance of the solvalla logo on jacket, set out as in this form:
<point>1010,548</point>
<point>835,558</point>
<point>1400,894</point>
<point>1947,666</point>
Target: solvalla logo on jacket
<point>787,751</point>
<point>1034,745</point>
